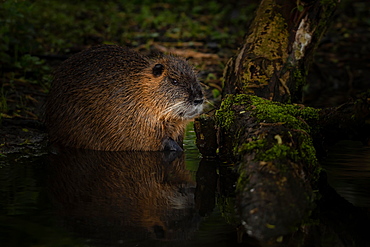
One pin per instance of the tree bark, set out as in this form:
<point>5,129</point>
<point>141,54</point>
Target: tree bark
<point>278,50</point>
<point>271,142</point>
<point>272,147</point>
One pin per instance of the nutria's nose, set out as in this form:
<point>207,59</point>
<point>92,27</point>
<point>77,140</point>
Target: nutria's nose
<point>198,101</point>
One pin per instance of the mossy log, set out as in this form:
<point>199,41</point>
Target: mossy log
<point>270,142</point>
<point>276,162</point>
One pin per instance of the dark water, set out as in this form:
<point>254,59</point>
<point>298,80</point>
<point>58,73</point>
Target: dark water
<point>348,169</point>
<point>89,198</point>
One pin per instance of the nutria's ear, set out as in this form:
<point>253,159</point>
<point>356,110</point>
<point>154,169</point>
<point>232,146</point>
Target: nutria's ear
<point>158,69</point>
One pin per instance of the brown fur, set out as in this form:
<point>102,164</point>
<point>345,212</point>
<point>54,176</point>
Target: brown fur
<point>113,98</point>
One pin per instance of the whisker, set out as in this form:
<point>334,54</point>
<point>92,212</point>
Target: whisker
<point>174,108</point>
<point>209,102</point>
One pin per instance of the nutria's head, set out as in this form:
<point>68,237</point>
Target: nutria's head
<point>174,87</point>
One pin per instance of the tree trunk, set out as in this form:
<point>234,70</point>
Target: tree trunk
<point>278,50</point>
<point>270,142</point>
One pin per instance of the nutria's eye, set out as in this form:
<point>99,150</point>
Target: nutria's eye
<point>174,81</point>
<point>158,69</point>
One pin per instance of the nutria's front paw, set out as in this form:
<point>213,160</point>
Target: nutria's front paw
<point>170,145</point>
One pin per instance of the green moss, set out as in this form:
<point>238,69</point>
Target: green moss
<point>294,117</point>
<point>278,151</point>
<point>224,115</point>
<point>243,179</point>
<point>252,145</point>
<point>308,151</point>
<point>291,115</point>
<point>267,152</point>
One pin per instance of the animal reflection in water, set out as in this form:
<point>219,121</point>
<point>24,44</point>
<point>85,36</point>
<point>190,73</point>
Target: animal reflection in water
<point>123,195</point>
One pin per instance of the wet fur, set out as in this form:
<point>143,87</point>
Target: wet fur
<point>112,98</point>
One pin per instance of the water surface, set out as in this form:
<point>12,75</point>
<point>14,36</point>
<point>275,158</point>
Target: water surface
<point>89,198</point>
<point>348,169</point>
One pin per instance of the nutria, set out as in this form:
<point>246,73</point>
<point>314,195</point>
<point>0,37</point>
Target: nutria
<point>112,98</point>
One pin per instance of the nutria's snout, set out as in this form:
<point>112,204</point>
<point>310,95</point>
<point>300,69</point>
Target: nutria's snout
<point>193,105</point>
<point>196,95</point>
<point>196,109</point>
<point>198,101</point>
<point>189,108</point>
